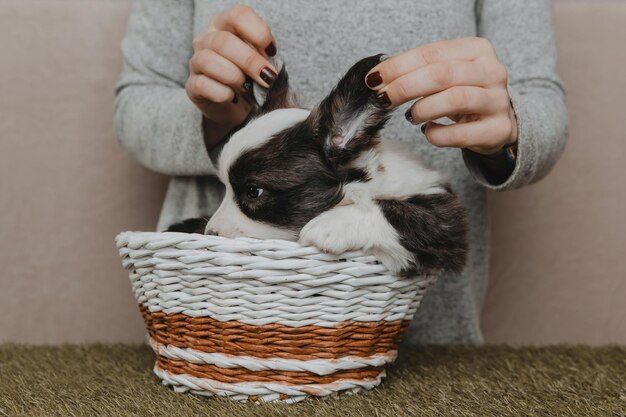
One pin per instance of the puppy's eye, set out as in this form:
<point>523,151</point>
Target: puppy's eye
<point>253,191</point>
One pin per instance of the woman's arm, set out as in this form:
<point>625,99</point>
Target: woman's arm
<point>500,89</point>
<point>522,35</point>
<point>156,122</point>
<point>179,95</point>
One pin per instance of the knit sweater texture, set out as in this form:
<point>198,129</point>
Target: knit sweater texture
<point>160,128</point>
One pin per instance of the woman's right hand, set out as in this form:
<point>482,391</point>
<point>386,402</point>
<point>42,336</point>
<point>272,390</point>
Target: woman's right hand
<point>233,51</point>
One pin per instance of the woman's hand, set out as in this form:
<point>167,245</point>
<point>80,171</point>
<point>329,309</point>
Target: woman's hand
<point>231,53</point>
<point>461,79</point>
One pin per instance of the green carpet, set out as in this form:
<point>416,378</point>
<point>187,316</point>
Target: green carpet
<point>112,380</point>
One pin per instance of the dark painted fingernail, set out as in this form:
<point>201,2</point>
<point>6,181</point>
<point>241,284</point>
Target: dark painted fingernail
<point>408,116</point>
<point>374,79</point>
<point>268,75</point>
<point>247,85</point>
<point>423,128</point>
<point>271,49</point>
<point>383,99</point>
<point>235,99</point>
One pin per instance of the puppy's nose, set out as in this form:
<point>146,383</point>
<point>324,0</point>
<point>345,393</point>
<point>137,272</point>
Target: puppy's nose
<point>211,232</point>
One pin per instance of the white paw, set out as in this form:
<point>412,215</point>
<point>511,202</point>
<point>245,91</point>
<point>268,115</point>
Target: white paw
<point>348,228</point>
<point>330,232</point>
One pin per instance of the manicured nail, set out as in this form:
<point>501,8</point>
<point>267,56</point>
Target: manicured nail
<point>247,85</point>
<point>271,49</point>
<point>235,99</point>
<point>268,75</point>
<point>383,99</point>
<point>423,127</point>
<point>408,116</point>
<point>373,80</point>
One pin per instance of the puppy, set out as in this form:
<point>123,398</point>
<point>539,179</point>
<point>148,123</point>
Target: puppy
<point>324,177</point>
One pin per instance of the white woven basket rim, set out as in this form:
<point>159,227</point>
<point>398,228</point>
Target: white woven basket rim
<point>263,281</point>
<point>157,240</point>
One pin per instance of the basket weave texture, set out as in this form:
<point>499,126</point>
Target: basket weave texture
<point>266,319</point>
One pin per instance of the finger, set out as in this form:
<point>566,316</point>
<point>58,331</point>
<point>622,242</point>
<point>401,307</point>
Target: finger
<point>201,88</point>
<point>457,101</point>
<point>244,56</point>
<point>463,49</point>
<point>485,133</point>
<point>218,68</point>
<point>437,77</point>
<point>243,21</point>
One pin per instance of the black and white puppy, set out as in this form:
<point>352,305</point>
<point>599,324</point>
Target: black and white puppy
<point>324,177</point>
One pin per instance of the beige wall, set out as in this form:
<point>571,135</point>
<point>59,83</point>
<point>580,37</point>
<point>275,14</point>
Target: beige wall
<point>66,188</point>
<point>559,247</point>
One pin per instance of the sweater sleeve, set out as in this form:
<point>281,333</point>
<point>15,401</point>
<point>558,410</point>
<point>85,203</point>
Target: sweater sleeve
<point>155,121</point>
<point>522,34</point>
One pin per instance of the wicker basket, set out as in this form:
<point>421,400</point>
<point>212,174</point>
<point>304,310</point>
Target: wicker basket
<point>266,319</point>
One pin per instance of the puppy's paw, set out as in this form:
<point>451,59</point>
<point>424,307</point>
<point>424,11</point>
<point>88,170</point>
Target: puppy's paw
<point>331,232</point>
<point>348,228</point>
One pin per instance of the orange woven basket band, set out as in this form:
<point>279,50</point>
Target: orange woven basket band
<point>274,340</point>
<point>235,375</point>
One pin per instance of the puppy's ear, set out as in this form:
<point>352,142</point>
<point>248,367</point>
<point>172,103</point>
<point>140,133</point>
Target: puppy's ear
<point>349,120</point>
<point>278,96</point>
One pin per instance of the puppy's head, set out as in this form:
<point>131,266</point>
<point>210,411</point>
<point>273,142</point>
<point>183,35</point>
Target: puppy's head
<point>285,165</point>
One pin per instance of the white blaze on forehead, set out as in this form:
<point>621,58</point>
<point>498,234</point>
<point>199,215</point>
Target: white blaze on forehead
<point>255,134</point>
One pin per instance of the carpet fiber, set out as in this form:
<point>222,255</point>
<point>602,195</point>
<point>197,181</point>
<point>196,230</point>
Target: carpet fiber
<point>111,380</point>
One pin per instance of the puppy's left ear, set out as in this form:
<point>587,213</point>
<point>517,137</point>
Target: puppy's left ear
<point>349,119</point>
<point>278,96</point>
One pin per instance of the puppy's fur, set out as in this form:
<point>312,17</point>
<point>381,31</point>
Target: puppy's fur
<point>326,178</point>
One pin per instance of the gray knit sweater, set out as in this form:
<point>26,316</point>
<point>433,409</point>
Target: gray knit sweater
<point>319,40</point>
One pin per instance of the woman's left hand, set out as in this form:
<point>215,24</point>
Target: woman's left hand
<point>461,79</point>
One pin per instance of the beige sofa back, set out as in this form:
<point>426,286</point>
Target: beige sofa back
<point>66,188</point>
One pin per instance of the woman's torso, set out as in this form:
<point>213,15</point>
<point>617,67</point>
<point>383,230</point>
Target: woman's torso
<point>319,41</point>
